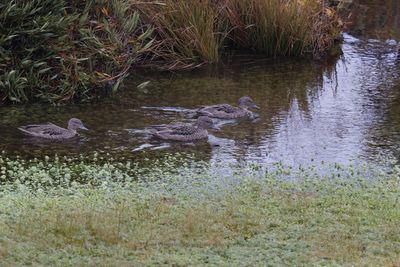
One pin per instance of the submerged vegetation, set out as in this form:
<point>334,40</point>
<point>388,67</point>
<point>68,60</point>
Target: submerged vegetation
<point>124,214</point>
<point>62,50</point>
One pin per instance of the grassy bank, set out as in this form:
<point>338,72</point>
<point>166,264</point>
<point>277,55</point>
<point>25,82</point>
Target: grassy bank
<point>61,50</point>
<point>195,215</point>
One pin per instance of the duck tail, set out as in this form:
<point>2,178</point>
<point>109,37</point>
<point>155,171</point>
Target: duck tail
<point>154,133</point>
<point>204,113</point>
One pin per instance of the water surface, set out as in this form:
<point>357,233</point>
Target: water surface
<point>334,110</point>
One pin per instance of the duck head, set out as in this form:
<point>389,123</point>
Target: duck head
<point>247,103</point>
<point>205,122</point>
<point>74,124</point>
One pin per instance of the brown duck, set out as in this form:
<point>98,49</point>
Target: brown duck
<point>185,132</point>
<point>226,111</point>
<point>52,131</point>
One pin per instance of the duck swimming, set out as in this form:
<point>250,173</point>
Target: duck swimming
<point>185,132</point>
<point>52,131</point>
<point>226,111</point>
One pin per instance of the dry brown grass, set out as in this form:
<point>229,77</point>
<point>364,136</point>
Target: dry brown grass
<point>190,33</point>
<point>281,28</point>
<point>186,32</point>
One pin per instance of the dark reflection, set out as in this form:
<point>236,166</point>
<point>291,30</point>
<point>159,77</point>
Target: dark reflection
<point>276,86</point>
<point>376,19</point>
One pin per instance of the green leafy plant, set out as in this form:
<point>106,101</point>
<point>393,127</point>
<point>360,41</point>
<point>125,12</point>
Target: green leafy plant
<point>56,51</point>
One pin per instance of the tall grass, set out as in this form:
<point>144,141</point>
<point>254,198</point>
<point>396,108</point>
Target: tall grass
<point>62,50</point>
<point>281,28</point>
<point>186,30</point>
<point>190,33</point>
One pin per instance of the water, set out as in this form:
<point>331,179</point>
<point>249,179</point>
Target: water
<point>332,111</point>
<point>376,19</point>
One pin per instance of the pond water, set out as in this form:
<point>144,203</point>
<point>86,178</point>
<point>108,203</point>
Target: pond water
<point>333,111</point>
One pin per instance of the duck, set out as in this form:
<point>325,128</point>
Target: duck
<point>185,132</point>
<point>226,111</point>
<point>52,131</point>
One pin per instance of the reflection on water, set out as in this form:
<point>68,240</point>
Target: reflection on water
<point>330,112</point>
<point>376,19</point>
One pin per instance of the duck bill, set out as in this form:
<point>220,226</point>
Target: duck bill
<point>215,127</point>
<point>255,107</point>
<point>83,128</point>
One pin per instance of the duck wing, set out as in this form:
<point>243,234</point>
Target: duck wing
<point>179,129</point>
<point>43,130</point>
<point>185,129</point>
<point>226,108</point>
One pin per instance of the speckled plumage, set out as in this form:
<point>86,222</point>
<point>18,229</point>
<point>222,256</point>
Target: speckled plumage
<point>52,131</point>
<point>226,111</point>
<point>184,132</point>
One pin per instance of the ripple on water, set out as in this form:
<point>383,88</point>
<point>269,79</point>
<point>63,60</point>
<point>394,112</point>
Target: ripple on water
<point>333,111</point>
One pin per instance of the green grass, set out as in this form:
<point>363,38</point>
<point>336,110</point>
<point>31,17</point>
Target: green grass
<point>193,216</point>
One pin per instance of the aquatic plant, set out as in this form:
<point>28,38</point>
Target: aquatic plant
<point>194,215</point>
<point>186,33</point>
<point>58,50</point>
<point>191,33</point>
<point>281,28</point>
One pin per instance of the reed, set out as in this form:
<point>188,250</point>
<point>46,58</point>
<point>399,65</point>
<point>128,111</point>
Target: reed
<point>186,32</point>
<point>281,28</point>
<point>59,50</point>
<point>191,33</point>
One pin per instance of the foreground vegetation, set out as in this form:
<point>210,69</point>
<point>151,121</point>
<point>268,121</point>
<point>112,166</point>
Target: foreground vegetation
<point>60,50</point>
<point>196,214</point>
